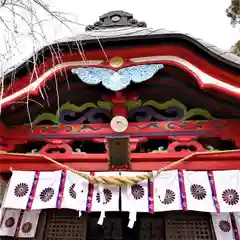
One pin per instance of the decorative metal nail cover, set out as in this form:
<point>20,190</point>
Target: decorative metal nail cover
<point>117,80</point>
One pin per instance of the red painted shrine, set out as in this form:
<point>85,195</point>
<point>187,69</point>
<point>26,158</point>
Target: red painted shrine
<point>124,97</point>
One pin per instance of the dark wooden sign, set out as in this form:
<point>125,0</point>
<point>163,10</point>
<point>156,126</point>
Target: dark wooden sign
<point>118,149</point>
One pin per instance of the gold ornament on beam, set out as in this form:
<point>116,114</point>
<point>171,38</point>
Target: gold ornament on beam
<point>116,62</point>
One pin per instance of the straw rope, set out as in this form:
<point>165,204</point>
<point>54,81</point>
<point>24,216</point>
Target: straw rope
<point>122,180</point>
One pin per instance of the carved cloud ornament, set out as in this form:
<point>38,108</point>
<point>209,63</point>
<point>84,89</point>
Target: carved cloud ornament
<point>117,80</point>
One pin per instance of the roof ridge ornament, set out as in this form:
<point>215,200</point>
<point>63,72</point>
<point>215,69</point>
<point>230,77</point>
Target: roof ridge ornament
<point>115,19</point>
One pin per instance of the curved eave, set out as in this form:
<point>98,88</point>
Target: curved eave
<point>140,37</point>
<point>216,71</point>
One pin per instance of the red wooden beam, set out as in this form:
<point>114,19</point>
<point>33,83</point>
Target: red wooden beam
<point>140,162</point>
<point>136,166</point>
<point>135,157</point>
<point>208,128</point>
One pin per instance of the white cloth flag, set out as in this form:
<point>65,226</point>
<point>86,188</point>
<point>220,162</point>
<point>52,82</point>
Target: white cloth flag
<point>47,190</point>
<point>167,192</point>
<point>227,184</point>
<point>222,226</point>
<point>29,222</point>
<point>75,193</point>
<point>138,196</point>
<point>135,198</point>
<point>198,191</point>
<point>10,222</point>
<point>19,189</point>
<point>109,193</point>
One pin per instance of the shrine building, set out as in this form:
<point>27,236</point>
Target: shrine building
<point>123,133</point>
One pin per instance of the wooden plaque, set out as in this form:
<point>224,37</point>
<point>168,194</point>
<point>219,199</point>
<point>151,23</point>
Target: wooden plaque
<point>118,149</point>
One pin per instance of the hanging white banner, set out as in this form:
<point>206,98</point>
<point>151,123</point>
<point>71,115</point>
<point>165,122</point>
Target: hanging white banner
<point>223,226</point>
<point>64,189</point>
<point>28,225</point>
<point>105,196</point>
<point>47,190</point>
<point>10,222</point>
<point>19,189</point>
<point>75,193</point>
<point>198,191</point>
<point>227,185</point>
<point>166,192</point>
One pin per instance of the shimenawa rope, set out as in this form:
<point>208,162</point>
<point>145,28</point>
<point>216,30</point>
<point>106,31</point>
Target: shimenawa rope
<point>122,180</point>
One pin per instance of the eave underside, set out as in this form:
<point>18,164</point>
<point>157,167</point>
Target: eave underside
<point>170,83</point>
<point>213,66</point>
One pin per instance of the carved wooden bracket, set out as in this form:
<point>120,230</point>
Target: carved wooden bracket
<point>185,145</point>
<point>56,149</point>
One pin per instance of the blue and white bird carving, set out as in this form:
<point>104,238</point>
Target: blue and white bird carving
<point>117,80</point>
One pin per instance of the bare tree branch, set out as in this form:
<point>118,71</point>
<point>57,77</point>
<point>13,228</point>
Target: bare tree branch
<point>20,22</point>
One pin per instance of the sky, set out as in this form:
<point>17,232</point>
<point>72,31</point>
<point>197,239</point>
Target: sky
<point>204,19</point>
